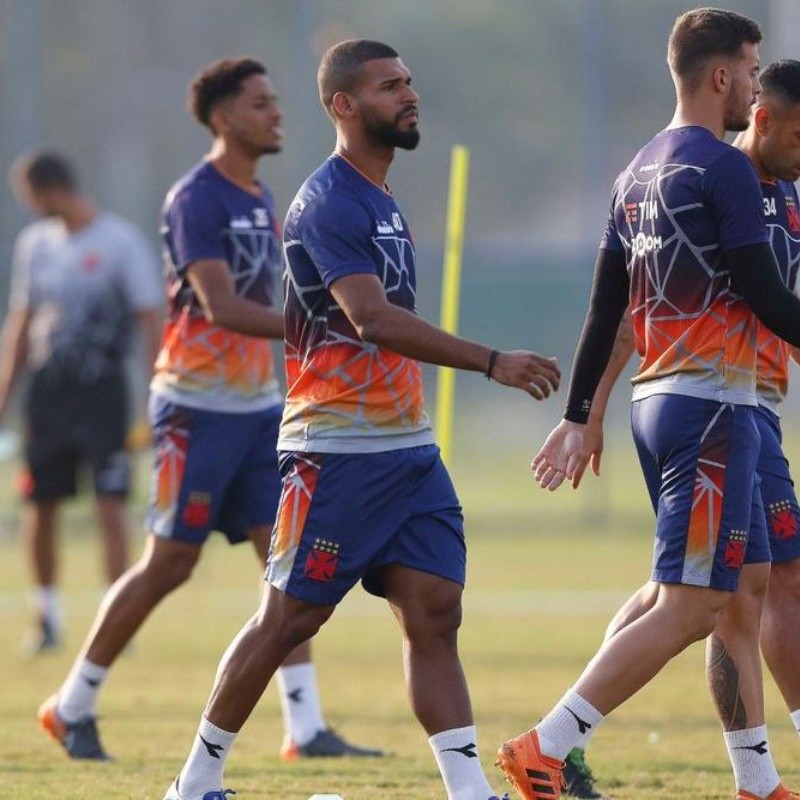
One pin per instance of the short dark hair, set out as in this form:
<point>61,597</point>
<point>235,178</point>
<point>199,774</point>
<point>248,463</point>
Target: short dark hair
<point>44,169</point>
<point>703,33</point>
<point>219,81</point>
<point>340,67</point>
<point>782,79</point>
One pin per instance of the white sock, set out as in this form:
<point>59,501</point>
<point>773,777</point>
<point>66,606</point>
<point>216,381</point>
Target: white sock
<point>48,604</point>
<point>203,770</point>
<point>570,724</point>
<point>302,715</point>
<point>795,717</point>
<point>751,759</point>
<point>456,753</point>
<point>77,697</point>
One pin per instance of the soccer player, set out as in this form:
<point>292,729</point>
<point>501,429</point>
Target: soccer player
<point>686,227</point>
<point>365,494</point>
<point>772,141</point>
<point>83,281</point>
<point>215,405</point>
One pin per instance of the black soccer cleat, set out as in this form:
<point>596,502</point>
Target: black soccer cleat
<point>326,744</point>
<point>578,778</point>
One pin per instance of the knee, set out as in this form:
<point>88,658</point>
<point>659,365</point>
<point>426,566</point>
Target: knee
<point>166,574</point>
<point>784,581</point>
<point>435,623</point>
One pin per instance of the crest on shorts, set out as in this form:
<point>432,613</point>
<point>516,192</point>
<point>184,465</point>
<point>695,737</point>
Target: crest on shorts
<point>783,520</point>
<point>323,560</point>
<point>197,511</point>
<point>735,549</point>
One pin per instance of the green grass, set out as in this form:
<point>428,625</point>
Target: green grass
<point>545,574</point>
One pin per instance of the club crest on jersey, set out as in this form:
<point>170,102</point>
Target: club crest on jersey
<point>322,561</point>
<point>260,218</point>
<point>783,520</point>
<point>735,549</point>
<point>197,512</point>
<point>792,215</point>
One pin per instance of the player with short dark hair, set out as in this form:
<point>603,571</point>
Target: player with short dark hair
<point>83,280</point>
<point>687,247</point>
<point>215,404</point>
<point>365,494</point>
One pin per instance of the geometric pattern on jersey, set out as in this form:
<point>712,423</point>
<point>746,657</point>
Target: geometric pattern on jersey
<point>344,394</point>
<point>672,214</point>
<point>783,224</point>
<point>207,216</point>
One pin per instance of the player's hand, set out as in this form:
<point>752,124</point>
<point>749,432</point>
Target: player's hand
<point>593,446</point>
<point>534,374</point>
<point>561,457</point>
<point>139,437</point>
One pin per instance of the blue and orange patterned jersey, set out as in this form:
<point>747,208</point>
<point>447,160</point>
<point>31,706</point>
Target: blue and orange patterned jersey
<point>782,215</point>
<point>345,395</point>
<point>208,217</point>
<point>685,199</point>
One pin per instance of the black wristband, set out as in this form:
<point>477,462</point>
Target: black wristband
<point>492,358</point>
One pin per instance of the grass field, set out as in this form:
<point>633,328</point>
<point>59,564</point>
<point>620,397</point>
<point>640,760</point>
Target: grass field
<point>546,573</point>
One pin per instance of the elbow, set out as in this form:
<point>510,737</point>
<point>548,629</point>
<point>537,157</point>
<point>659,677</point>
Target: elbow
<point>215,313</point>
<point>369,327</point>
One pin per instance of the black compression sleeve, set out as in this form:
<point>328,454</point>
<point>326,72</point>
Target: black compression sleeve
<point>607,304</point>
<point>754,275</point>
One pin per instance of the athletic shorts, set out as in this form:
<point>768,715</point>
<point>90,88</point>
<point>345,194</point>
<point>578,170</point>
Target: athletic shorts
<point>342,517</point>
<point>699,462</point>
<point>777,489</point>
<point>69,427</point>
<point>213,471</point>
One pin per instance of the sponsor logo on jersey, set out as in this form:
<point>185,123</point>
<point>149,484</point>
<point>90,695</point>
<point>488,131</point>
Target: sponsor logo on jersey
<point>644,243</point>
<point>385,228</point>
<point>241,223</point>
<point>652,167</point>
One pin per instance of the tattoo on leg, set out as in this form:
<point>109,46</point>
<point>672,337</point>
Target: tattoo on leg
<point>723,680</point>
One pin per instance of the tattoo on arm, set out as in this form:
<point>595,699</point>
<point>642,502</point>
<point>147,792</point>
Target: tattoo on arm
<point>723,681</point>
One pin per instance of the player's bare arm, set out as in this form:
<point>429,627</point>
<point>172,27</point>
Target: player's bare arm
<point>13,349</point>
<point>213,284</point>
<point>363,300</point>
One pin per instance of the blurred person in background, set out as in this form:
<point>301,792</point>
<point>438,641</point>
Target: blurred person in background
<point>83,280</point>
<point>215,403</point>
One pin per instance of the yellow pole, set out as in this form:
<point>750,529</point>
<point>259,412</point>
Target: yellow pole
<point>451,286</point>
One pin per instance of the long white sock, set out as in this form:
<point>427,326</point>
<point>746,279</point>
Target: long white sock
<point>77,697</point>
<point>795,717</point>
<point>203,770</point>
<point>456,753</point>
<point>48,604</point>
<point>302,715</point>
<point>751,759</point>
<point>570,724</point>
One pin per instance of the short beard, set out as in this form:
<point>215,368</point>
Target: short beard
<point>389,134</point>
<point>736,124</point>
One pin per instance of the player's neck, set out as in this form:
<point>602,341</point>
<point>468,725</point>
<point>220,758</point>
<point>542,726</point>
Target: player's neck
<point>238,167</point>
<point>77,214</point>
<point>373,163</point>
<point>746,142</point>
<point>697,111</point>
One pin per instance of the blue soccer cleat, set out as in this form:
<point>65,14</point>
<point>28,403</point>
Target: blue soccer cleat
<point>173,793</point>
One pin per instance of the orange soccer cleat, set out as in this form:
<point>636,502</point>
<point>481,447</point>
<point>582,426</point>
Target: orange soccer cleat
<point>781,793</point>
<point>533,775</point>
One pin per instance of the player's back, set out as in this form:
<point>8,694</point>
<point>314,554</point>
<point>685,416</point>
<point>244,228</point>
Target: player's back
<point>685,199</point>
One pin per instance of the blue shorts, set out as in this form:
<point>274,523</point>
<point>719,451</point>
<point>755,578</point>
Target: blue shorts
<point>777,489</point>
<point>213,471</point>
<point>342,517</point>
<point>699,462</point>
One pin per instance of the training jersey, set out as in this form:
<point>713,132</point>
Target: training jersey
<point>685,199</point>
<point>83,290</point>
<point>206,216</point>
<point>782,215</point>
<point>345,395</point>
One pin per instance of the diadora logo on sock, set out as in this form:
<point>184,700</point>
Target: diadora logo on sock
<point>467,750</point>
<point>213,749</point>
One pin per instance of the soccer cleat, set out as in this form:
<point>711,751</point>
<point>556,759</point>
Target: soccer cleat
<point>534,775</point>
<point>80,738</point>
<point>325,744</point>
<point>578,778</point>
<point>42,639</point>
<point>781,793</point>
<point>495,797</point>
<point>173,793</point>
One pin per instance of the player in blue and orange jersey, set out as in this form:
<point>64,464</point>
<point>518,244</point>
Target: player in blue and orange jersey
<point>687,247</point>
<point>215,404</point>
<point>772,141</point>
<point>365,494</point>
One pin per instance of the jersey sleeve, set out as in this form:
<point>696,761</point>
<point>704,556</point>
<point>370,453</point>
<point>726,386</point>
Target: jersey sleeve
<point>20,296</point>
<point>336,232</point>
<point>195,223</point>
<point>141,275</point>
<point>610,239</point>
<point>733,197</point>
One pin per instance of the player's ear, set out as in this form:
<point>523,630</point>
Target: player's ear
<point>721,78</point>
<point>342,104</point>
<point>762,119</point>
<point>219,119</point>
